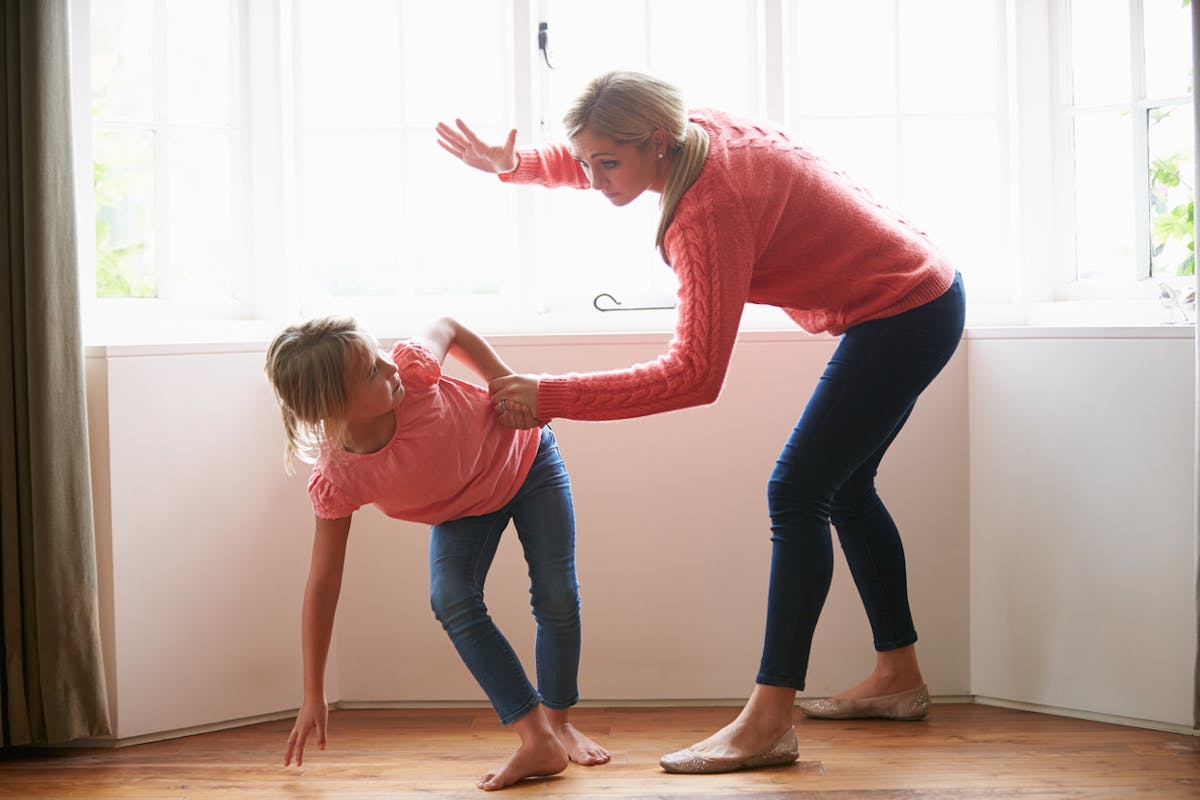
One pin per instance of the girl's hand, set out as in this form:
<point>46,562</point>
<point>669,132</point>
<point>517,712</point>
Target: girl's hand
<point>474,152</point>
<point>314,713</point>
<point>515,400</point>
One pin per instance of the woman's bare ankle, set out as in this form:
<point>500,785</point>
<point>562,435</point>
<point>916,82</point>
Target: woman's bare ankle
<point>770,708</point>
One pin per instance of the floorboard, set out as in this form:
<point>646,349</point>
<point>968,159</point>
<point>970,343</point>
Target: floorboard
<point>961,752</point>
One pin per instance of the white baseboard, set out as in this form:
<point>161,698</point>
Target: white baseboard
<point>1091,716</point>
<point>668,703</point>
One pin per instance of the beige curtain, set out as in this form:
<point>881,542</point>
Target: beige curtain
<point>51,673</point>
<point>1196,224</point>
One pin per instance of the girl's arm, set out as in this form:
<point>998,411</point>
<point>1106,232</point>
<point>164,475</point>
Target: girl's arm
<point>316,628</point>
<point>450,336</point>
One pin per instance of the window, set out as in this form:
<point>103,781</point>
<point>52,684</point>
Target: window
<point>168,149</point>
<point>924,133</point>
<point>265,159</point>
<point>1132,140</point>
<point>379,211</point>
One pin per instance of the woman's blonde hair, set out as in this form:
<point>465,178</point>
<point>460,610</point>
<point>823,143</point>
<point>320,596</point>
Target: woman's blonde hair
<point>628,107</point>
<point>310,366</point>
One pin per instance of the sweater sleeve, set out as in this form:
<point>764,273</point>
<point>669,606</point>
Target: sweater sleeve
<point>551,165</point>
<point>712,255</point>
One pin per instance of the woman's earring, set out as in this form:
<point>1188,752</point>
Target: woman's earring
<point>660,155</point>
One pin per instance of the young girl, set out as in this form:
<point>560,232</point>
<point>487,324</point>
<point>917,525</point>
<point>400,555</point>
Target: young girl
<point>394,431</point>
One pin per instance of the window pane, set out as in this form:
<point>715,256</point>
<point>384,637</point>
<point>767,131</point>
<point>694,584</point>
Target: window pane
<point>961,77</point>
<point>351,222</point>
<point>1168,43</point>
<point>122,59</point>
<point>584,44</point>
<point>955,191</point>
<point>1104,243</point>
<point>1172,194</point>
<point>124,185</point>
<point>828,76</point>
<point>1100,52</point>
<point>201,232</point>
<point>200,51</point>
<point>728,82</point>
<point>348,64</point>
<point>460,225</point>
<point>587,247</point>
<point>437,87</point>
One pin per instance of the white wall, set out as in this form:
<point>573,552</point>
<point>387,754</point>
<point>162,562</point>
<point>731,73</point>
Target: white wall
<point>1083,530</point>
<point>1038,477</point>
<point>206,546</point>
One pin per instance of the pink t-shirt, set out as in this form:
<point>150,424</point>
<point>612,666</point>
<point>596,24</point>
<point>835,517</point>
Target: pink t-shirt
<point>448,458</point>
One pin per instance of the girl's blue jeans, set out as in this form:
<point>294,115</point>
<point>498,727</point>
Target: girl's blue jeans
<point>460,555</point>
<point>826,473</point>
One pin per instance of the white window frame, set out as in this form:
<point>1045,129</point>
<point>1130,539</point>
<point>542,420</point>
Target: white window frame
<point>1138,284</point>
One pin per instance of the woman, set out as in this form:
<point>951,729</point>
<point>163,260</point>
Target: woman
<point>750,216</point>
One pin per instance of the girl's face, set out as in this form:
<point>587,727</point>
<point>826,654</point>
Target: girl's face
<point>621,171</point>
<point>374,389</point>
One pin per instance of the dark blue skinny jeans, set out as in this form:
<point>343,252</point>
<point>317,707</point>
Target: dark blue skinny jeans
<point>826,473</point>
<point>461,553</point>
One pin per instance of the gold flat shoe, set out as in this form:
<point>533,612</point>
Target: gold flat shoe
<point>689,762</point>
<point>909,705</point>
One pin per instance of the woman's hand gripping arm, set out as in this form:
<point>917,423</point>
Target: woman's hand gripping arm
<point>320,603</point>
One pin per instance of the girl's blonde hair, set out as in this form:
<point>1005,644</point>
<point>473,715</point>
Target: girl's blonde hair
<point>628,107</point>
<point>310,365</point>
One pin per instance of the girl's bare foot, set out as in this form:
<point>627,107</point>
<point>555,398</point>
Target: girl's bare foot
<point>580,749</point>
<point>530,761</point>
<point>540,754</point>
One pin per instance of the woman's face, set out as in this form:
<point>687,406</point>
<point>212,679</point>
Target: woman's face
<point>621,171</point>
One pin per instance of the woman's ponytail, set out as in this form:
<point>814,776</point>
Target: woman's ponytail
<point>685,170</point>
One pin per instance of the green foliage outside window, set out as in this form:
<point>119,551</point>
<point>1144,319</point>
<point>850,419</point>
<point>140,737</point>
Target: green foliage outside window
<point>117,273</point>
<point>1172,222</point>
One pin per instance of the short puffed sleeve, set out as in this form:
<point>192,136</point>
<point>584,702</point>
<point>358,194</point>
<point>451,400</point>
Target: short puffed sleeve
<point>416,363</point>
<point>328,500</point>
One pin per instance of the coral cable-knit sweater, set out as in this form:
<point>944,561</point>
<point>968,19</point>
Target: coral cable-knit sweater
<point>766,221</point>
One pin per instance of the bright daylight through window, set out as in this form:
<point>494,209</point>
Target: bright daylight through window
<point>264,160</point>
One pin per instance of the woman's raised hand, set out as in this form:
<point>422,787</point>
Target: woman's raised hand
<point>474,152</point>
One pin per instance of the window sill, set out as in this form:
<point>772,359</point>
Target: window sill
<point>1040,321</point>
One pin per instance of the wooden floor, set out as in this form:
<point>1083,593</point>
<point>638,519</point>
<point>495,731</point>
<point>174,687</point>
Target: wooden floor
<point>960,752</point>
